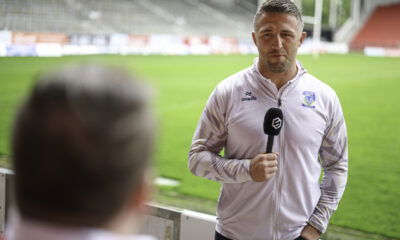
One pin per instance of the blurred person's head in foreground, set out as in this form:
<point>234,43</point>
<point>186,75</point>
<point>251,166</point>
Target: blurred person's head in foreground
<point>82,145</point>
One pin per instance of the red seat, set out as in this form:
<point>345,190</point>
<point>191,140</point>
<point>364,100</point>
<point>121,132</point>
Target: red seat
<point>381,29</point>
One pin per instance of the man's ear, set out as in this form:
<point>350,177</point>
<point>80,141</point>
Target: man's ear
<point>141,196</point>
<point>302,37</point>
<point>253,35</point>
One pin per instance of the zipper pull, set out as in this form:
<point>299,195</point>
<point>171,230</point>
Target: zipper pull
<point>279,102</point>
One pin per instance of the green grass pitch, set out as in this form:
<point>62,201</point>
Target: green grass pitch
<point>368,89</point>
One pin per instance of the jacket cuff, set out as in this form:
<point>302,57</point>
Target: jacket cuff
<point>317,224</point>
<point>246,165</point>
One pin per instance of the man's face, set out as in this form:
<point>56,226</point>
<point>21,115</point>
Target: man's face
<point>277,37</point>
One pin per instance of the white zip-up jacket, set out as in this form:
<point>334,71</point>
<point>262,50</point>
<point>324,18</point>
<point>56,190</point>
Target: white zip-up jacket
<point>313,137</point>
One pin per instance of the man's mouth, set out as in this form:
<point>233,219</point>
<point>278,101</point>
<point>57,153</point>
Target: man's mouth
<point>277,54</point>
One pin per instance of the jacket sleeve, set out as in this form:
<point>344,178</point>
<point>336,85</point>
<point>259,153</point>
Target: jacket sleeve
<point>334,158</point>
<point>208,141</point>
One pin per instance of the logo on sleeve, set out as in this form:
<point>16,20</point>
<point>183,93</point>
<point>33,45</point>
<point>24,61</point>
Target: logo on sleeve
<point>249,97</point>
<point>308,99</point>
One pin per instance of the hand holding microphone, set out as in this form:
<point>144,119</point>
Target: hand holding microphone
<point>264,166</point>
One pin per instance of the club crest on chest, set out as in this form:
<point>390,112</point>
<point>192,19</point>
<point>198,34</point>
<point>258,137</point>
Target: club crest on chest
<point>308,99</point>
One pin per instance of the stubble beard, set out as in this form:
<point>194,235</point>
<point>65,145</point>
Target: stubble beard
<point>278,67</point>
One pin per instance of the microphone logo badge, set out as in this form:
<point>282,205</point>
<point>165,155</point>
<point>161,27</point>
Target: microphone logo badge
<point>277,123</point>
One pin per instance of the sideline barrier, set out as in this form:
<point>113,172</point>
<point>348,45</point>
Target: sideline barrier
<point>173,224</point>
<point>164,223</point>
<point>5,187</point>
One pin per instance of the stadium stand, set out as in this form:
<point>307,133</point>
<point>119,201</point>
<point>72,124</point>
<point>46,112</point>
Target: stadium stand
<point>193,17</point>
<point>381,29</point>
<point>192,26</point>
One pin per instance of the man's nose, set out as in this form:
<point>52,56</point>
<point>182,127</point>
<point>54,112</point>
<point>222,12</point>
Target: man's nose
<point>277,42</point>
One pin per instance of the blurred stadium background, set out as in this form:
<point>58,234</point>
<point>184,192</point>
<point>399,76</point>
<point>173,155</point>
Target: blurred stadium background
<point>183,48</point>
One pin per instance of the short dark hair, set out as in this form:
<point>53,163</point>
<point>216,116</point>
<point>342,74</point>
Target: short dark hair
<point>82,142</point>
<point>279,6</point>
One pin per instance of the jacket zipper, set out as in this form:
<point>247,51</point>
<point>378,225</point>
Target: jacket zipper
<point>281,157</point>
<point>279,175</point>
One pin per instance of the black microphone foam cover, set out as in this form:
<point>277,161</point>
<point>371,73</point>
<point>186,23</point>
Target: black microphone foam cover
<point>273,121</point>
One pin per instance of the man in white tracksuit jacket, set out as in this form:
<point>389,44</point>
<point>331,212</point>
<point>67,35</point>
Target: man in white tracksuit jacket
<point>277,195</point>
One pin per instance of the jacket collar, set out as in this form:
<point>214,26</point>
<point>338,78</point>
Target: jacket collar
<point>300,71</point>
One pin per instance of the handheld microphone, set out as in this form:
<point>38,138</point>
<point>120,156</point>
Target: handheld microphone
<point>273,121</point>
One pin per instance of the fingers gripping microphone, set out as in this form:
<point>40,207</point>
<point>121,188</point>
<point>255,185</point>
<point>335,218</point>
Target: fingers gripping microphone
<point>273,121</point>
